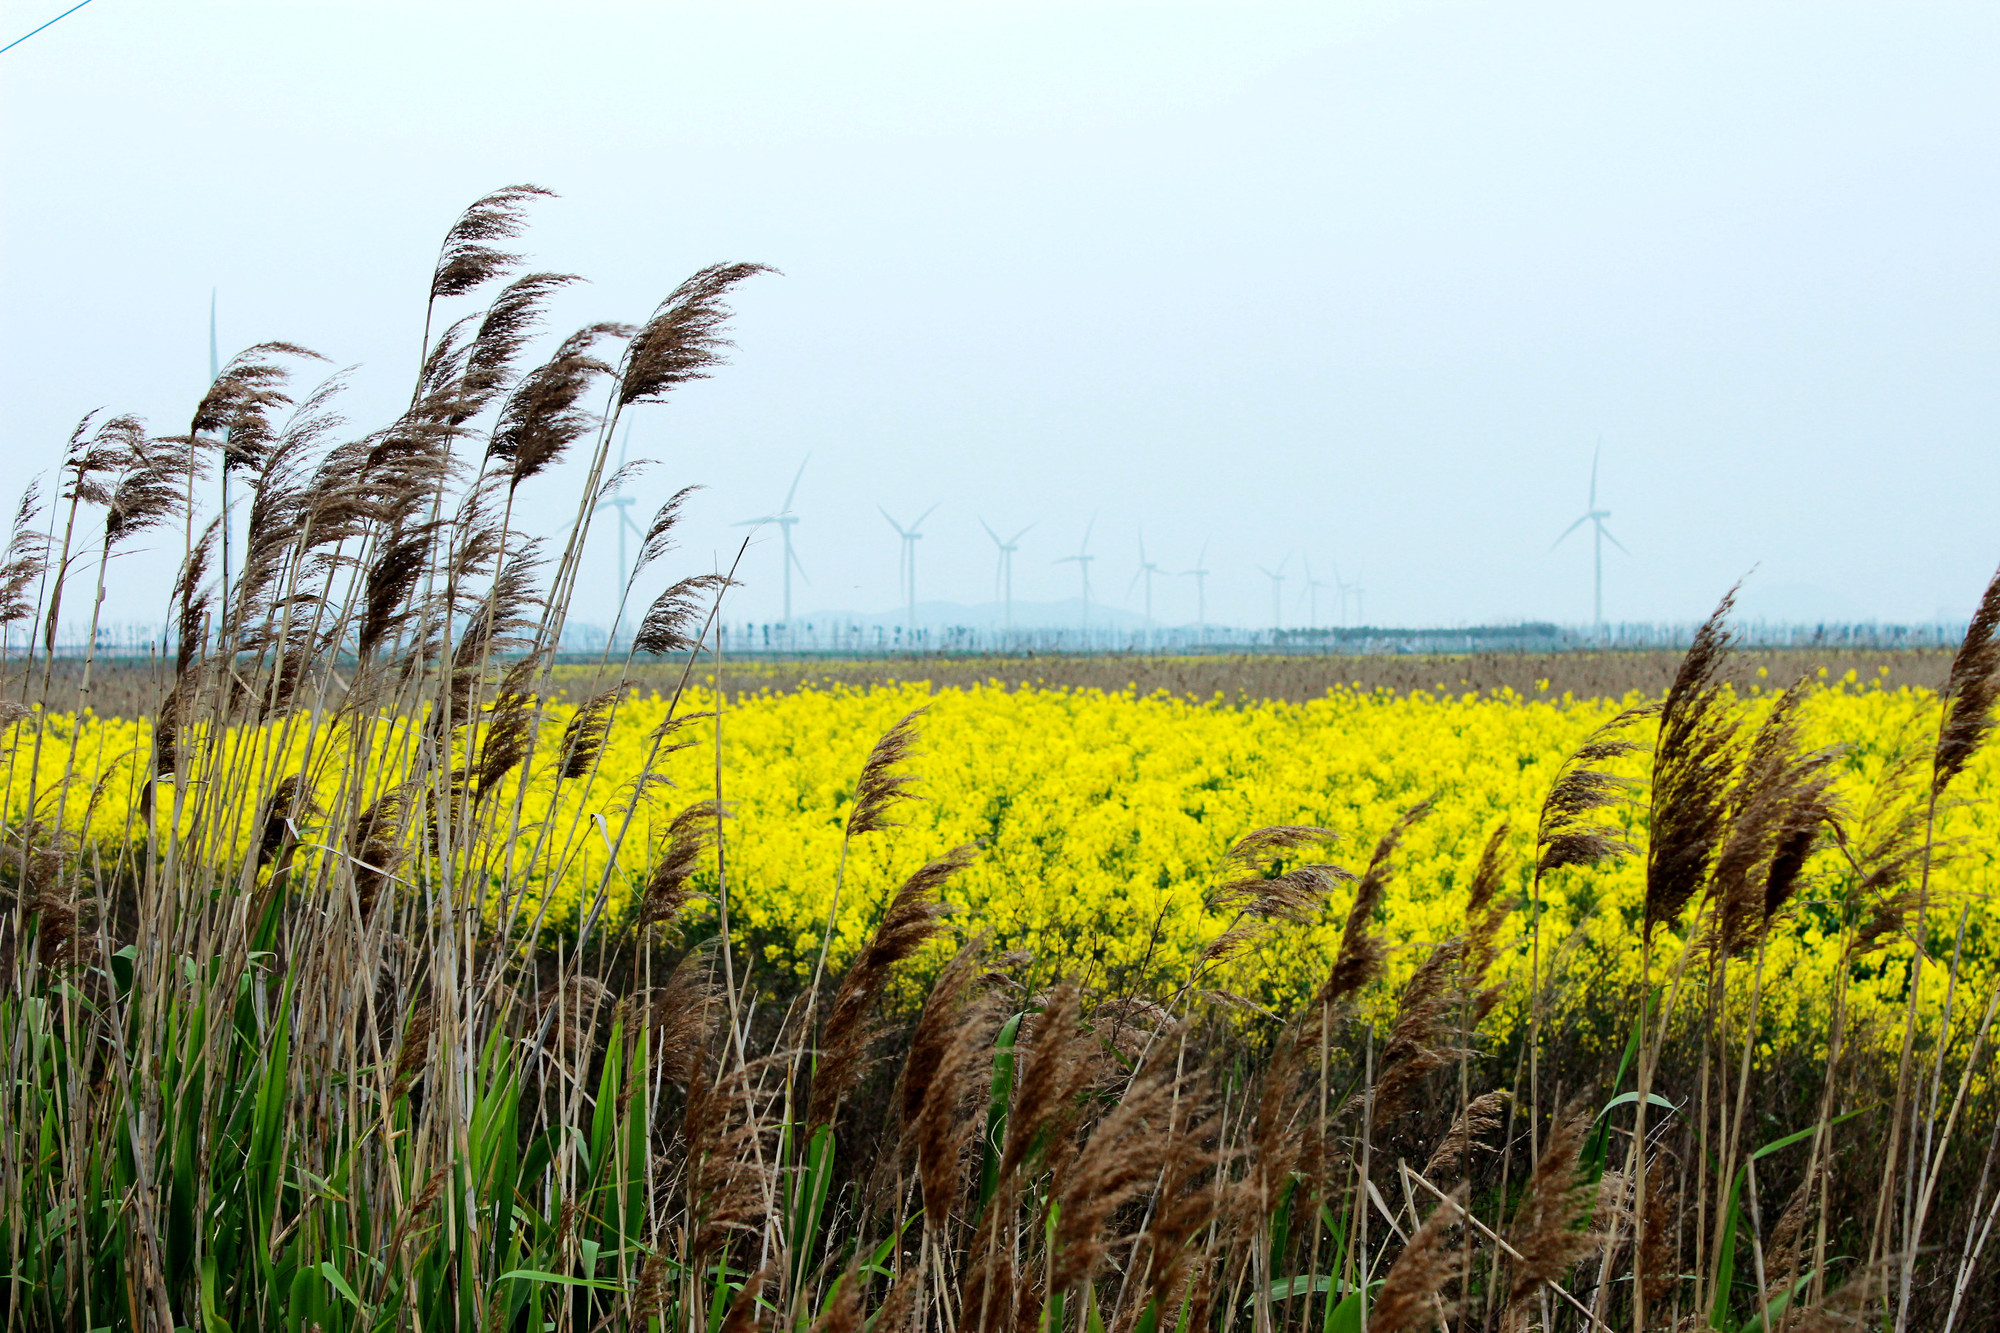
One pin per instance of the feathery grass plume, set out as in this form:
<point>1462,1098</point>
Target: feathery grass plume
<point>1548,1231</point>
<point>1855,1304</point>
<point>1411,1297</point>
<point>1421,1039</point>
<point>1658,1256</point>
<point>680,1013</point>
<point>659,535</point>
<point>1481,1116</point>
<point>392,577</point>
<point>510,729</point>
<point>275,834</point>
<point>742,1316</point>
<point>541,417</point>
<point>689,836</point>
<point>1692,764</point>
<point>880,787</point>
<point>673,613</point>
<point>1053,1064</point>
<point>1790,1247</point>
<point>1265,891</point>
<point>1970,691</point>
<point>466,260</point>
<point>240,404</point>
<point>1567,834</point>
<point>683,340</point>
<point>1123,1156</point>
<point>503,331</point>
<point>1360,958</point>
<point>53,901</point>
<point>26,557</point>
<point>842,1313</point>
<point>1191,1197</point>
<point>1485,912</point>
<point>149,484</point>
<point>415,1049</point>
<point>914,918</point>
<point>947,1053</point>
<point>1778,804</point>
<point>584,736</point>
<point>724,1178</point>
<point>374,848</point>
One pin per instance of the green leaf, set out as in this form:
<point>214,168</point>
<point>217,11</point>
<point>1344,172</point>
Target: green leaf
<point>332,1274</point>
<point>1346,1316</point>
<point>997,1102</point>
<point>557,1279</point>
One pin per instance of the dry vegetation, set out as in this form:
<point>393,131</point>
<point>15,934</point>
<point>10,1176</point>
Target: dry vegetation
<point>128,688</point>
<point>335,1081</point>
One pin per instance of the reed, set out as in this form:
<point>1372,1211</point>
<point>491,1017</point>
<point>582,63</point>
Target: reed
<point>299,1048</point>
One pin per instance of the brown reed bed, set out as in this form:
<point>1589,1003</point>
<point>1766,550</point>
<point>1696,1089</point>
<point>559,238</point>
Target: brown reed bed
<point>294,1051</point>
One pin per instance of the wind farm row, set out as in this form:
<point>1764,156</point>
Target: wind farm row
<point>1320,596</point>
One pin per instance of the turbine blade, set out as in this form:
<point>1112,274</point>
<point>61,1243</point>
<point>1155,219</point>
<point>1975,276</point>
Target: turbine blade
<point>1568,530</point>
<point>991,533</point>
<point>921,517</point>
<point>1594,455</point>
<point>1613,540</point>
<point>1022,533</point>
<point>786,508</point>
<point>893,523</point>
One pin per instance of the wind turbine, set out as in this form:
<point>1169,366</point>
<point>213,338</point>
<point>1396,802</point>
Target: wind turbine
<point>785,518</point>
<point>1200,576</point>
<point>906,568</point>
<point>623,504</point>
<point>1147,569</point>
<point>1277,577</point>
<point>1313,586</point>
<point>1082,560</point>
<point>1599,535</point>
<point>1003,570</point>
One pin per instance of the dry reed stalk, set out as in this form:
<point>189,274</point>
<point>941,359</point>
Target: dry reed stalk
<point>1361,953</point>
<point>1125,1153</point>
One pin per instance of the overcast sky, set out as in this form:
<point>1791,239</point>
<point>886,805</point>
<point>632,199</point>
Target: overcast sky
<point>1338,282</point>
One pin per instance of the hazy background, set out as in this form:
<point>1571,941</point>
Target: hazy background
<point>1353,282</point>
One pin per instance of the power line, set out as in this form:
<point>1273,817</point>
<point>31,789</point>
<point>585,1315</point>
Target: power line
<point>50,24</point>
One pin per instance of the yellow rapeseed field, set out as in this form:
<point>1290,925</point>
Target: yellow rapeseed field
<point>1103,818</point>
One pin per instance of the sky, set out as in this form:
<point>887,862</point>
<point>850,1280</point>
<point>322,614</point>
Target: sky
<point>1359,285</point>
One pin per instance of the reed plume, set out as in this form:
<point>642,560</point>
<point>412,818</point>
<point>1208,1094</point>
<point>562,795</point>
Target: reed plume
<point>1970,691</point>
<point>467,259</point>
<point>1549,1233</point>
<point>914,917</point>
<point>24,561</point>
<point>1361,953</point>
<point>1411,1296</point>
<point>1693,763</point>
<point>1481,1116</point>
<point>880,787</point>
<point>673,613</point>
<point>683,341</point>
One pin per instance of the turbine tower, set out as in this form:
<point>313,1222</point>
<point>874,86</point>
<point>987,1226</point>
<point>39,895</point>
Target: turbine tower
<point>1082,560</point>
<point>623,504</point>
<point>1003,569</point>
<point>1200,576</point>
<point>906,567</point>
<point>1313,587</point>
<point>1277,577</point>
<point>1147,570</point>
<point>1599,535</point>
<point>785,518</point>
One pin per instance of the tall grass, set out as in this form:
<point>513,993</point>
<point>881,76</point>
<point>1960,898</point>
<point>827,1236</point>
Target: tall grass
<point>274,1060</point>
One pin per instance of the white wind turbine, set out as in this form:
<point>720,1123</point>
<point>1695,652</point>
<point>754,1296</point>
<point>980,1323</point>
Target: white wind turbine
<point>785,518</point>
<point>906,567</point>
<point>1200,576</point>
<point>1082,560</point>
<point>1599,535</point>
<point>1313,587</point>
<point>1277,577</point>
<point>1003,569</point>
<point>623,504</point>
<point>1147,570</point>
